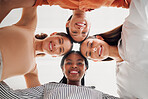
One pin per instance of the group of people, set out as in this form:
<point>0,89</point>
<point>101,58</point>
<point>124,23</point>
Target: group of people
<point>126,44</point>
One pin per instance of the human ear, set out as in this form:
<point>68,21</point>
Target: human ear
<point>54,56</point>
<point>54,33</point>
<point>67,23</point>
<point>99,37</point>
<point>95,60</point>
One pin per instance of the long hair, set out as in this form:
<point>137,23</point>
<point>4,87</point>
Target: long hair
<point>68,32</point>
<point>43,36</point>
<point>64,79</point>
<point>111,37</point>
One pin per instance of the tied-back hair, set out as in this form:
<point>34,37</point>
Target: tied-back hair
<point>68,32</point>
<point>64,79</point>
<point>43,36</point>
<point>111,37</point>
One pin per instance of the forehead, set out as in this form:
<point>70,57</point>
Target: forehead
<point>84,46</point>
<point>74,57</point>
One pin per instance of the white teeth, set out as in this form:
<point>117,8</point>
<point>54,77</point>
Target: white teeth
<point>95,49</point>
<point>100,51</point>
<point>74,72</point>
<point>80,24</point>
<point>50,46</point>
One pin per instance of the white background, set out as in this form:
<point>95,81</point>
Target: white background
<point>53,19</point>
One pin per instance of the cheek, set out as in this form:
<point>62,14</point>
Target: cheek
<point>66,68</point>
<point>83,49</point>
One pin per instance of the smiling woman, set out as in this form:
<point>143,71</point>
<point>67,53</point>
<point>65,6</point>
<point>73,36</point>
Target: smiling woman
<point>102,46</point>
<point>23,45</point>
<point>78,26</point>
<point>56,44</point>
<point>74,66</point>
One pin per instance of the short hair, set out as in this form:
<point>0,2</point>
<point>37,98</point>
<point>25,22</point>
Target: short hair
<point>68,32</point>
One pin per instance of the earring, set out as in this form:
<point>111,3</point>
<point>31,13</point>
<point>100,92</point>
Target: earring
<point>99,37</point>
<point>53,33</point>
<point>54,56</point>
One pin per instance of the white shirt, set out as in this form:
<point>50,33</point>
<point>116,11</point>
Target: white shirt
<point>132,73</point>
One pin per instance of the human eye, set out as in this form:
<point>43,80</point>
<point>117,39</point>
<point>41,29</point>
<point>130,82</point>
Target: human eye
<point>74,32</point>
<point>91,45</point>
<point>68,63</point>
<point>59,41</point>
<point>79,63</point>
<point>90,54</point>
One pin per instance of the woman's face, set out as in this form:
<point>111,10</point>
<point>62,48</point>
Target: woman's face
<point>79,28</point>
<point>74,67</point>
<point>56,45</point>
<point>95,49</point>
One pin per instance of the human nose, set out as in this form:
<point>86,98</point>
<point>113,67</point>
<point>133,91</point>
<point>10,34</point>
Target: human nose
<point>57,45</point>
<point>93,49</point>
<point>74,66</point>
<point>80,28</point>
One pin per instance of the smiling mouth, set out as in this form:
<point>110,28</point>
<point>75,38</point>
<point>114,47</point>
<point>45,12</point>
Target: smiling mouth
<point>50,46</point>
<point>73,72</point>
<point>100,51</point>
<point>81,24</point>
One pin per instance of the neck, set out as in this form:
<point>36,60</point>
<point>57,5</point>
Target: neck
<point>115,54</point>
<point>78,83</point>
<point>38,45</point>
<point>79,13</point>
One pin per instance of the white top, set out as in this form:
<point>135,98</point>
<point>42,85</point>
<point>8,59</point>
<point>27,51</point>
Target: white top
<point>132,73</point>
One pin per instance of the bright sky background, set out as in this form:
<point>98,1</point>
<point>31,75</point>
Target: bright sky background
<point>53,19</point>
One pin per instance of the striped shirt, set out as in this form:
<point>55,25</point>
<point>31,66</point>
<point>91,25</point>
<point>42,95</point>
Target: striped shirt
<point>52,91</point>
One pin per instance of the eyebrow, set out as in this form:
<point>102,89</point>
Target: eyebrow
<point>87,43</point>
<point>80,60</point>
<point>68,60</point>
<point>86,54</point>
<point>87,51</point>
<point>63,49</point>
<point>74,32</point>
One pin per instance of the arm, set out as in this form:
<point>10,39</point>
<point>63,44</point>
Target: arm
<point>29,18</point>
<point>32,78</point>
<point>29,93</point>
<point>7,5</point>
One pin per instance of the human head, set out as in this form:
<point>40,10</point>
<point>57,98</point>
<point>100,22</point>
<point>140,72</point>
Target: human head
<point>78,27</point>
<point>56,44</point>
<point>97,47</point>
<point>74,60</point>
